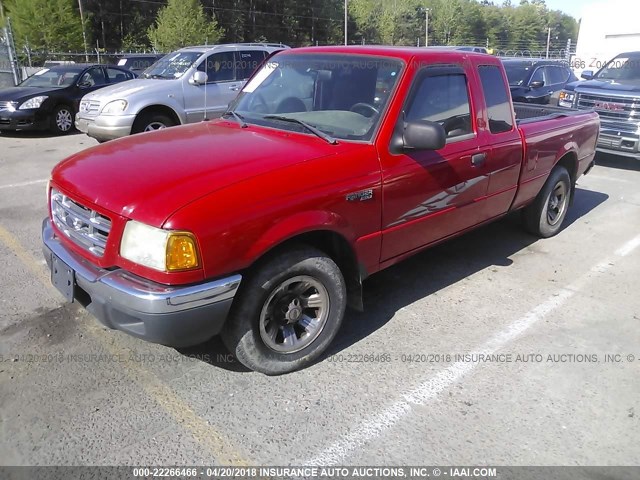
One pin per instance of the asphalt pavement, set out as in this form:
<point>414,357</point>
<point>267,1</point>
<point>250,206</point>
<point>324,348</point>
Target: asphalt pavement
<point>495,348</point>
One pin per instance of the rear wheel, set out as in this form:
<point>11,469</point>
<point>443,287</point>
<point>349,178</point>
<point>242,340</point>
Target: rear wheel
<point>545,215</point>
<point>61,120</point>
<point>148,122</point>
<point>287,312</point>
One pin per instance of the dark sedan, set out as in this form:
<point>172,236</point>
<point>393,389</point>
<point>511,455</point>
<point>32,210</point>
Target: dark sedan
<point>49,99</point>
<point>537,81</point>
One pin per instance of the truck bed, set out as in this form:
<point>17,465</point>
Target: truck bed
<point>528,113</point>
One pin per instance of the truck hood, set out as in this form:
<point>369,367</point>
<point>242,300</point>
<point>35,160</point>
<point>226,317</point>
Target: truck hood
<point>149,176</point>
<point>610,85</point>
<point>125,90</point>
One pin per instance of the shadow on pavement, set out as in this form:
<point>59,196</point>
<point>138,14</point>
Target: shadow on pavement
<point>34,134</point>
<point>617,161</point>
<point>428,272</point>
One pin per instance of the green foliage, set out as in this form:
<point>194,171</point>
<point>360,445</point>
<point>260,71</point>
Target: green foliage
<point>512,25</point>
<point>51,25</point>
<point>182,23</point>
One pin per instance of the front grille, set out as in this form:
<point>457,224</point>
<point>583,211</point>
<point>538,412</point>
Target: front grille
<point>5,105</point>
<point>90,107</point>
<point>84,226</point>
<point>621,109</point>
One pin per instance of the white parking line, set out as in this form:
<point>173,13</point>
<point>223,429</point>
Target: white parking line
<point>23,184</point>
<point>377,424</point>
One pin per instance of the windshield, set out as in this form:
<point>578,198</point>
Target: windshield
<point>342,96</point>
<point>172,66</point>
<point>517,73</point>
<point>621,68</point>
<point>58,78</point>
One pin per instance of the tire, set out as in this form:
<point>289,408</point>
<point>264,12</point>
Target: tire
<point>545,215</point>
<point>269,330</point>
<point>61,120</point>
<point>148,122</point>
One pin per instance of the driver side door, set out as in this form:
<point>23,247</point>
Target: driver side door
<point>211,99</point>
<point>90,80</point>
<point>432,194</point>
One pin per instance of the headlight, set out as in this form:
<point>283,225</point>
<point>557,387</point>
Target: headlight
<point>34,102</point>
<point>117,106</point>
<point>566,98</point>
<point>159,249</point>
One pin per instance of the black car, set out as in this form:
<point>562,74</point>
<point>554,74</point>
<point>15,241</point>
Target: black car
<point>138,62</point>
<point>537,81</point>
<point>49,99</point>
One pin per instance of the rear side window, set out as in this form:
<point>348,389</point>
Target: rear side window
<point>497,99</point>
<point>248,62</point>
<point>116,75</point>
<point>555,75</point>
<point>443,99</point>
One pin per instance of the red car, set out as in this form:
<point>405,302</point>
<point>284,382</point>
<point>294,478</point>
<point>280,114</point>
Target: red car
<point>332,164</point>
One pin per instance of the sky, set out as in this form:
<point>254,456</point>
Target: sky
<point>572,7</point>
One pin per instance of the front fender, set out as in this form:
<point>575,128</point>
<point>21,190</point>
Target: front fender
<point>295,225</point>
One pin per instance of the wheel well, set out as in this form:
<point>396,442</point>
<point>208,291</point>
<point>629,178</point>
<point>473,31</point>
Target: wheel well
<point>339,250</point>
<point>158,109</point>
<point>570,162</point>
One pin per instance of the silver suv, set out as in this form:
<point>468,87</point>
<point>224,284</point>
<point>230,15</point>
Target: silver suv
<point>188,85</point>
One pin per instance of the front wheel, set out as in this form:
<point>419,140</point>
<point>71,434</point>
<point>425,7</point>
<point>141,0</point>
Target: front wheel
<point>149,122</point>
<point>287,312</point>
<point>61,120</point>
<point>545,215</point>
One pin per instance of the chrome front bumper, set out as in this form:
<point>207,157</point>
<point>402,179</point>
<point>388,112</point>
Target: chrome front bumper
<point>178,316</point>
<point>105,127</point>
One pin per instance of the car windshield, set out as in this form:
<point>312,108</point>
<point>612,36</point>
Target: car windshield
<point>172,66</point>
<point>625,68</point>
<point>56,78</point>
<point>517,73</point>
<point>342,96</point>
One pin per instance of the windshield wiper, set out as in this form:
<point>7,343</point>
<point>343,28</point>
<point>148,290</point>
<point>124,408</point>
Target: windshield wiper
<point>239,118</point>
<point>311,128</point>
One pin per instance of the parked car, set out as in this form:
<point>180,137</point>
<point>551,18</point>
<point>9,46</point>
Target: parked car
<point>186,86</point>
<point>138,62</point>
<point>49,99</point>
<point>613,92</point>
<point>538,81</point>
<point>263,224</point>
<point>471,49</point>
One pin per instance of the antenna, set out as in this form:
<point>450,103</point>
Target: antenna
<point>206,85</point>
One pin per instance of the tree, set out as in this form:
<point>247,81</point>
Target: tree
<point>182,23</point>
<point>47,25</point>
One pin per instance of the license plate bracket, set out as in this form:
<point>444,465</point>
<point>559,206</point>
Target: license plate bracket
<point>63,277</point>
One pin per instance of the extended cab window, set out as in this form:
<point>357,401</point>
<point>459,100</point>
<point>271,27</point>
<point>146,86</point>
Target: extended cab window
<point>219,67</point>
<point>496,97</point>
<point>443,99</point>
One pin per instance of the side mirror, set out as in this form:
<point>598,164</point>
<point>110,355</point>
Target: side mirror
<point>587,74</point>
<point>199,78</point>
<point>536,84</point>
<point>424,135</point>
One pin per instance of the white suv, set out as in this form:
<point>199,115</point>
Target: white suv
<point>188,85</point>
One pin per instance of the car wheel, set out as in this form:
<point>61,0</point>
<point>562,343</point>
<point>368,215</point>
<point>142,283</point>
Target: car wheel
<point>287,312</point>
<point>149,122</point>
<point>545,215</point>
<point>62,120</point>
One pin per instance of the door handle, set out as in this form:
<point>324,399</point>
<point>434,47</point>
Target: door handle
<point>234,88</point>
<point>478,159</point>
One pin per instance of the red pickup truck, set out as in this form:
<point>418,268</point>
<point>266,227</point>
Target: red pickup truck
<point>333,163</point>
